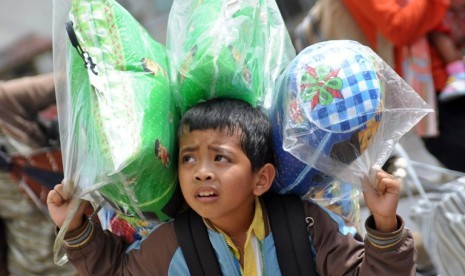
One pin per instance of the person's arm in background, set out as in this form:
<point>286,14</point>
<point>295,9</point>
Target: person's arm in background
<point>400,24</point>
<point>20,102</point>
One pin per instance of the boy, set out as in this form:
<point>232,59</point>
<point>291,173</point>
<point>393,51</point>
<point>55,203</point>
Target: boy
<point>225,165</point>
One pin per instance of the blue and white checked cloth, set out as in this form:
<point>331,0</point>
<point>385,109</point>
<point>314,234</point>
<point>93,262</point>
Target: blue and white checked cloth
<point>361,90</point>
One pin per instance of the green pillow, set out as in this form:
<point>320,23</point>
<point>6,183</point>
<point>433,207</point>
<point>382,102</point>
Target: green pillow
<point>122,143</point>
<point>226,49</point>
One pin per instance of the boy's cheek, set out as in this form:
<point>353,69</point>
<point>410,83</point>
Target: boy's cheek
<point>183,186</point>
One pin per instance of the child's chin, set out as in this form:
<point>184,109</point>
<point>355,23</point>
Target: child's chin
<point>206,214</point>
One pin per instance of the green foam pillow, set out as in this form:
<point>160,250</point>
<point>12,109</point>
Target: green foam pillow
<point>122,142</point>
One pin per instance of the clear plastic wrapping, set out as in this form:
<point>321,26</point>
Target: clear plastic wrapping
<point>117,115</point>
<point>339,197</point>
<point>233,49</point>
<point>121,119</point>
<point>338,110</point>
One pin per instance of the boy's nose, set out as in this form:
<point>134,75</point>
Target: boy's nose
<point>203,175</point>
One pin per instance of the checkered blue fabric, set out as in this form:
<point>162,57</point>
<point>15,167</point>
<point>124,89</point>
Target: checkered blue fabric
<point>361,90</point>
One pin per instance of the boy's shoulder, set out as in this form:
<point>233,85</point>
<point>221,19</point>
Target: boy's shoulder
<point>164,231</point>
<point>163,238</point>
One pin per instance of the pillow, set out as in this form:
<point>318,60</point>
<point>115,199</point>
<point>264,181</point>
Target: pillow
<point>340,109</point>
<point>120,145</point>
<point>226,49</point>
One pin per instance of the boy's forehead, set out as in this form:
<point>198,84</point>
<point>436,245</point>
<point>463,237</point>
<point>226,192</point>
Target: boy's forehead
<point>235,134</point>
<point>222,131</point>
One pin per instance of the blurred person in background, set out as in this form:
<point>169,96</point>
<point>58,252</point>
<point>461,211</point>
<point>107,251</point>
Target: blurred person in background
<point>404,24</point>
<point>401,22</point>
<point>30,234</point>
<point>449,39</point>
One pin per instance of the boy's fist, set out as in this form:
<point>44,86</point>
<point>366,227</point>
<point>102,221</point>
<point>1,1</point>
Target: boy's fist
<point>60,205</point>
<point>382,197</point>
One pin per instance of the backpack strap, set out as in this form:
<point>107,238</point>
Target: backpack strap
<point>287,221</point>
<point>198,252</point>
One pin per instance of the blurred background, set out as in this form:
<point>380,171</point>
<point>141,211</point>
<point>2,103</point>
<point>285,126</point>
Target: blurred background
<point>25,37</point>
<point>26,30</point>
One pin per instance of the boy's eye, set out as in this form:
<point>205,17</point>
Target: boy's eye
<point>221,158</point>
<point>188,159</point>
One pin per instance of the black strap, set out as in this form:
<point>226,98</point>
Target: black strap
<point>198,252</point>
<point>287,221</point>
<point>88,62</point>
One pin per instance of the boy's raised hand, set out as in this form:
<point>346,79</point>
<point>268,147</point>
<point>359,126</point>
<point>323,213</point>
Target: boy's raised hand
<point>381,195</point>
<point>59,206</point>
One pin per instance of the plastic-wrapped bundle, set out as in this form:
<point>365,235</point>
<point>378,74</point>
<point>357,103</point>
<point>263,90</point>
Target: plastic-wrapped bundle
<point>295,177</point>
<point>131,229</point>
<point>118,119</point>
<point>339,197</point>
<point>233,49</point>
<point>340,109</point>
<point>292,175</point>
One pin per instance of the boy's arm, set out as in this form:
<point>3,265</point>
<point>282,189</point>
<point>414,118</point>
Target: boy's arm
<point>388,247</point>
<point>341,251</point>
<point>87,248</point>
<point>93,251</point>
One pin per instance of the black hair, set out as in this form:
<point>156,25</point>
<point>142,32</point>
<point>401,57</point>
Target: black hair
<point>234,117</point>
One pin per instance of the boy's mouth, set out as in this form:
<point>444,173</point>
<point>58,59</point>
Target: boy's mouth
<point>206,194</point>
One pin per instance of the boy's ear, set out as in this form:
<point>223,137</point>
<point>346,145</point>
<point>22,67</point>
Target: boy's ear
<point>265,178</point>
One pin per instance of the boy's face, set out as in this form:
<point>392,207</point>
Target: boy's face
<point>216,176</point>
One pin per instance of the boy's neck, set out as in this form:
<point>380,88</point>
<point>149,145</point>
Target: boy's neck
<point>237,229</point>
<point>235,226</point>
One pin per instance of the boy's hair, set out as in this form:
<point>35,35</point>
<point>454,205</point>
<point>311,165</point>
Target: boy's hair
<point>235,117</point>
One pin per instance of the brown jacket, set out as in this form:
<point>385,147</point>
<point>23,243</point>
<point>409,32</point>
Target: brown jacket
<point>337,250</point>
<point>20,102</point>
